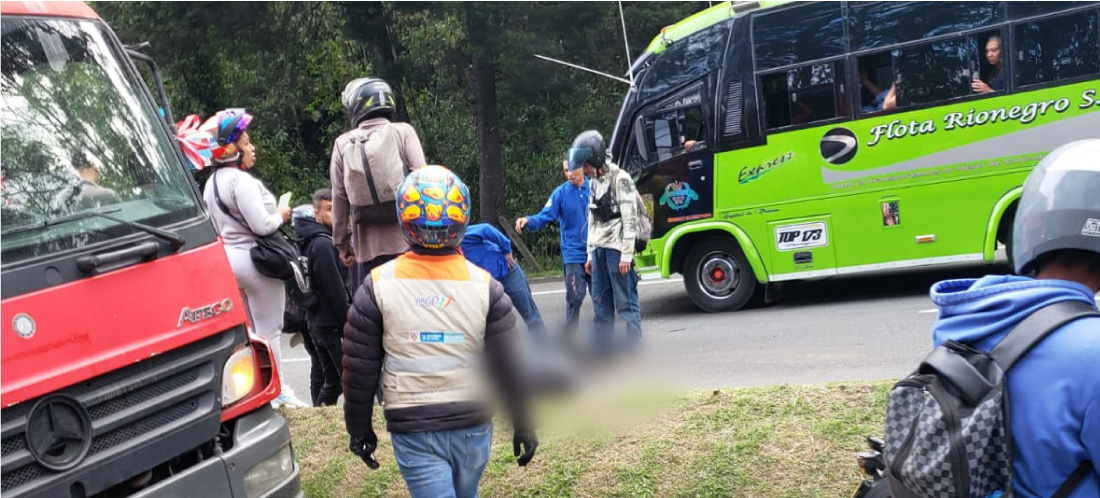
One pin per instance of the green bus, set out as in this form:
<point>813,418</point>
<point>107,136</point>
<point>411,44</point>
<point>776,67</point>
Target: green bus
<point>779,141</point>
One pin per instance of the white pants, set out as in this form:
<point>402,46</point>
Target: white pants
<point>264,297</point>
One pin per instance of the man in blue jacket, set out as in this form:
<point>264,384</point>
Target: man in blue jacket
<point>568,205</point>
<point>488,248</point>
<point>1054,390</point>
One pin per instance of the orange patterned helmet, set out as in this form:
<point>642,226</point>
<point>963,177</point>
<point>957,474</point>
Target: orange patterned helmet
<point>434,208</point>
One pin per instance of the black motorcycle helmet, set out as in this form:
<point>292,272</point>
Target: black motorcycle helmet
<point>590,148</point>
<point>368,98</point>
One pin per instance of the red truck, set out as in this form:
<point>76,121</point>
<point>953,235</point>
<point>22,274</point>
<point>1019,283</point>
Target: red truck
<point>127,364</point>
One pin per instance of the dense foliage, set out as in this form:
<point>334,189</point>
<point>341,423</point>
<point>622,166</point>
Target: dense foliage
<point>465,72</point>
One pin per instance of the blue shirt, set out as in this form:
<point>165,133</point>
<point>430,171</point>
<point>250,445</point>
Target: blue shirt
<point>568,205</point>
<point>1053,391</point>
<point>486,247</point>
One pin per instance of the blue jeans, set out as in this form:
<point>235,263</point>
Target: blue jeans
<point>443,464</point>
<point>613,292</point>
<point>516,286</point>
<point>576,284</point>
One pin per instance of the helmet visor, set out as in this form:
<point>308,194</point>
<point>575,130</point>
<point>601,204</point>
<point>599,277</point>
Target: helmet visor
<point>577,156</point>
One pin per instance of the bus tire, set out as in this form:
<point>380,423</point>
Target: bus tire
<point>717,275</point>
<point>1004,236</point>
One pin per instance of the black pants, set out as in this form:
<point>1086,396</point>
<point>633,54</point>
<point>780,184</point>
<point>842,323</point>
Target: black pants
<point>326,358</point>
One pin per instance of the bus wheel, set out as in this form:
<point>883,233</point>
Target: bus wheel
<point>1004,236</point>
<point>717,275</point>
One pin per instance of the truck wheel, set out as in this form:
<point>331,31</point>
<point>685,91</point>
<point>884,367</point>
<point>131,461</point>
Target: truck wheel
<point>717,275</point>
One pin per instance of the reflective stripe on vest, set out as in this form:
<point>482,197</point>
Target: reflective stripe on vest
<point>434,311</point>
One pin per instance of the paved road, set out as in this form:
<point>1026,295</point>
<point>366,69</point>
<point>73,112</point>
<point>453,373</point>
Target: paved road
<point>824,331</point>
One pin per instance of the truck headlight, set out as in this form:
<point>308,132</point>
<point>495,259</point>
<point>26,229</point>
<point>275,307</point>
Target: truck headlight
<point>238,376</point>
<point>268,473</point>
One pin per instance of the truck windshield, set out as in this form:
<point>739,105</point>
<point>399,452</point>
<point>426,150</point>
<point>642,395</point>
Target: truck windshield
<point>78,135</point>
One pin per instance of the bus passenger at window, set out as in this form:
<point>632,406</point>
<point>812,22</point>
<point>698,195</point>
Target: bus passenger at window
<point>880,94</point>
<point>890,101</point>
<point>804,114</point>
<point>996,77</point>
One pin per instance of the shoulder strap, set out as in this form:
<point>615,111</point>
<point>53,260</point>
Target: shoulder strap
<point>362,145</point>
<point>1073,480</point>
<point>222,206</point>
<point>1036,327</point>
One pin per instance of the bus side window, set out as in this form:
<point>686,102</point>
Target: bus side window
<point>947,69</point>
<point>1021,10</point>
<point>1056,48</point>
<point>934,72</point>
<point>876,77</point>
<point>805,94</point>
<point>674,132</point>
<point>801,33</point>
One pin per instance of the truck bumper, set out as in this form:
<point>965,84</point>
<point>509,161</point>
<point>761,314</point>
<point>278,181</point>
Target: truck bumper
<point>261,463</point>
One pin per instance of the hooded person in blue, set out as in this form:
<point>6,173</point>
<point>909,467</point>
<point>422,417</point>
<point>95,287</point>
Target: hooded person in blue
<point>1054,390</point>
<point>568,205</point>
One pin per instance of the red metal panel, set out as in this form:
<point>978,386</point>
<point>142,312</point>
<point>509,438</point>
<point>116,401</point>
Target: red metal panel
<point>95,325</point>
<point>47,9</point>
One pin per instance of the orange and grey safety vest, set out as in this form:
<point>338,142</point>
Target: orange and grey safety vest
<point>434,312</point>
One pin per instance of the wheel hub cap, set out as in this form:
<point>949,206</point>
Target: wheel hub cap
<point>719,275</point>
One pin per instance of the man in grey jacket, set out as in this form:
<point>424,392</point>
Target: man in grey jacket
<point>612,230</point>
<point>363,244</point>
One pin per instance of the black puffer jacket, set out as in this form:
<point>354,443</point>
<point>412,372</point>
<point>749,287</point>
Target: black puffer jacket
<point>363,354</point>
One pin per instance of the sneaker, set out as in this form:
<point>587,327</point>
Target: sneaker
<point>288,400</point>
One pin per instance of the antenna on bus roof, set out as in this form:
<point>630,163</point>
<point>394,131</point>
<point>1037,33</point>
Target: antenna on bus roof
<point>626,43</point>
<point>551,59</point>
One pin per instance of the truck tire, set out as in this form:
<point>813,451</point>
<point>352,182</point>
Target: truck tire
<point>717,275</point>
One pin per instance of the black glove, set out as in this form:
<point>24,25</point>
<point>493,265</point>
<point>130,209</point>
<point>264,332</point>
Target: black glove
<point>529,442</point>
<point>364,447</point>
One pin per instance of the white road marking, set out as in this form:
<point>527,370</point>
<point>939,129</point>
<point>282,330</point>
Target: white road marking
<point>648,282</point>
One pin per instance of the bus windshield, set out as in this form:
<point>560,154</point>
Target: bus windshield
<point>78,136</point>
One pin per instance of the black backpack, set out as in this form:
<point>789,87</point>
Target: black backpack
<point>300,297</point>
<point>304,296</point>
<point>947,424</point>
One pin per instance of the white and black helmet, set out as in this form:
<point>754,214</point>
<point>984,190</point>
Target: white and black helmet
<point>367,98</point>
<point>1060,206</point>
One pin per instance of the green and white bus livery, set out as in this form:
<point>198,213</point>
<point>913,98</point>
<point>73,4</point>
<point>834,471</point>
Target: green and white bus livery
<point>777,141</point>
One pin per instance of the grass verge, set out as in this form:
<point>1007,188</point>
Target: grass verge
<point>783,441</point>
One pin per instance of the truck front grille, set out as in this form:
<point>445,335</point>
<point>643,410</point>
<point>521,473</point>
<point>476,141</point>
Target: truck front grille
<point>130,409</point>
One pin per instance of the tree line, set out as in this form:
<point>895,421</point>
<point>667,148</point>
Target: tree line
<point>464,73</point>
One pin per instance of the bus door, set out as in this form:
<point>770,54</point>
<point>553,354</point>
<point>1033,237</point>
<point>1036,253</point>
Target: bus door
<point>672,141</point>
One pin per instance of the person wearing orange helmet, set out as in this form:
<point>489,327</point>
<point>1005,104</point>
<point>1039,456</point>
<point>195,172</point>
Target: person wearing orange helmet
<point>423,324</point>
